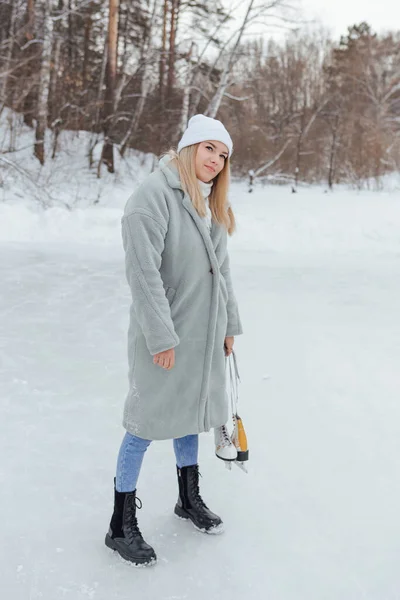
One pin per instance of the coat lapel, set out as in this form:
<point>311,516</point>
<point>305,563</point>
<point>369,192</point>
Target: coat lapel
<point>210,239</point>
<point>216,233</point>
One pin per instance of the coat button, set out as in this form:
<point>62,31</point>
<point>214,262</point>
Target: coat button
<point>211,271</point>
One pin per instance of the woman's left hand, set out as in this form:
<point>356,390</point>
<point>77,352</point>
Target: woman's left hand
<point>228,345</point>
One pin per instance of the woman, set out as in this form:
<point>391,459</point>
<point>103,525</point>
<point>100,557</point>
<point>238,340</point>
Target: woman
<point>183,320</point>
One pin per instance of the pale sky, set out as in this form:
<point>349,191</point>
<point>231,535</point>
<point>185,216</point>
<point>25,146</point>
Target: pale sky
<point>382,15</point>
<point>334,15</point>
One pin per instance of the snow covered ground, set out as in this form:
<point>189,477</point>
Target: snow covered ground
<point>316,518</point>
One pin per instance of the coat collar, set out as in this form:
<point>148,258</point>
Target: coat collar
<point>171,172</point>
<point>210,238</point>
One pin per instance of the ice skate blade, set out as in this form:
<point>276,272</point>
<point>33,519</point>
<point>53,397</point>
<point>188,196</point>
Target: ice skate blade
<point>241,466</point>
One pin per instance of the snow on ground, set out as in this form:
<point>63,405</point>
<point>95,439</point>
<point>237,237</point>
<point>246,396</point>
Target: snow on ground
<point>65,181</point>
<point>316,518</point>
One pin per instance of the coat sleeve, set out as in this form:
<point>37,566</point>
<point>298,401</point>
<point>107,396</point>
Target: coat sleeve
<point>234,326</point>
<point>143,238</point>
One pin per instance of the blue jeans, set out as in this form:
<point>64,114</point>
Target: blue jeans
<point>131,455</point>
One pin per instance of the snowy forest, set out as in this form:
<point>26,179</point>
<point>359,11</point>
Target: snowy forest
<point>301,108</point>
<point>92,93</point>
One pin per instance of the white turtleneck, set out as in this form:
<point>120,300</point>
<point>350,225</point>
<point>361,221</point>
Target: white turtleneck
<point>205,189</point>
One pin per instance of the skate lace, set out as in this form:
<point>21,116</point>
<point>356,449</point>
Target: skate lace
<point>133,503</point>
<point>224,436</point>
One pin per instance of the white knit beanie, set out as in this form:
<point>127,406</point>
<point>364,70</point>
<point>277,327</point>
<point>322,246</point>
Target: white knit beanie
<point>204,129</point>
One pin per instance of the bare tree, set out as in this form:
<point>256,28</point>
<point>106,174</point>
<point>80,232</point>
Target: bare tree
<point>193,65</point>
<point>253,13</point>
<point>163,55</point>
<point>174,17</point>
<point>146,82</point>
<point>107,155</point>
<point>44,82</point>
<point>4,77</point>
<point>304,108</point>
<point>188,79</point>
<point>30,19</point>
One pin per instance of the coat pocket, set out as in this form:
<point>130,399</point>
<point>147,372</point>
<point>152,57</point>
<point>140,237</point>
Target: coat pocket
<point>169,293</point>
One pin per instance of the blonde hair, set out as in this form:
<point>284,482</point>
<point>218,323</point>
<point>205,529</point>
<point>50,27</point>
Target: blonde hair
<point>219,205</point>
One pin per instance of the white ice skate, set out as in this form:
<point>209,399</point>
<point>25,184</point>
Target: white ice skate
<point>224,448</point>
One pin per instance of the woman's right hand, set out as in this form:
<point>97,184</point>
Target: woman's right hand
<point>165,359</point>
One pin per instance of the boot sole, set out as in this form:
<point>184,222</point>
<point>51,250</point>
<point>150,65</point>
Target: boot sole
<point>181,514</point>
<point>135,562</point>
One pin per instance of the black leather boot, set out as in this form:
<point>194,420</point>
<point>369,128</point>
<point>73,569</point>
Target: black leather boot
<point>190,504</point>
<point>124,534</point>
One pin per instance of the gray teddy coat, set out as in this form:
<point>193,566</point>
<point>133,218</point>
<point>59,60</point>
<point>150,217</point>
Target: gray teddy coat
<point>182,298</point>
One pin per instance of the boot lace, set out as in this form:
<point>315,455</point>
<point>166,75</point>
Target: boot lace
<point>197,499</point>
<point>133,503</point>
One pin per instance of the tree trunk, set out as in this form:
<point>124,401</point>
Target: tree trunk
<point>28,99</point>
<point>304,131</point>
<point>215,102</point>
<point>197,93</point>
<point>30,20</point>
<point>44,83</point>
<point>94,137</point>
<point>186,91</point>
<point>175,5</point>
<point>134,124</point>
<point>70,34</point>
<point>146,52</point>
<point>107,155</point>
<point>6,67</point>
<point>96,123</point>
<point>273,160</point>
<point>163,56</point>
<point>54,77</point>
<point>298,152</point>
<point>86,47</point>
<point>124,58</point>
<point>332,155</point>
